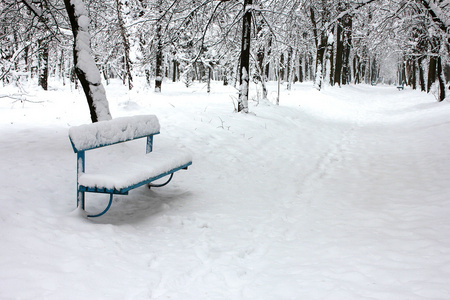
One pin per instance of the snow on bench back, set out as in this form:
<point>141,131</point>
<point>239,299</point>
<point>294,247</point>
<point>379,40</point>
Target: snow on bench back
<point>104,133</point>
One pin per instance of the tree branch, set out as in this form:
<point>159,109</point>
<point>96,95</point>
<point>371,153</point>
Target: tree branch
<point>35,10</point>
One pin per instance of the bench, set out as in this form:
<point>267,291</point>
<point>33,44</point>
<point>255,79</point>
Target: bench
<point>125,173</point>
<point>401,87</point>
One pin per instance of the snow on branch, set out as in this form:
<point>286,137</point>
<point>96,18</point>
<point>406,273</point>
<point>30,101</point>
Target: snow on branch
<point>438,16</point>
<point>36,11</point>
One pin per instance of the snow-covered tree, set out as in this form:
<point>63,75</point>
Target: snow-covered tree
<point>84,64</point>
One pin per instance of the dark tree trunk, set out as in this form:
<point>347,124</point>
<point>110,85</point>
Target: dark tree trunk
<point>414,74</point>
<point>209,79</point>
<point>300,69</point>
<point>355,69</point>
<point>26,51</point>
<point>244,75</point>
<point>159,60</point>
<point>431,72</point>
<point>225,77</point>
<point>282,67</point>
<point>440,74</point>
<point>175,70</point>
<point>159,51</point>
<point>421,75</point>
<point>347,37</point>
<point>339,54</point>
<point>374,71</point>
<point>43,64</point>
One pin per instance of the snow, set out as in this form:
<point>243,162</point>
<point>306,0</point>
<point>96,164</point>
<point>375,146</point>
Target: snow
<point>122,129</point>
<point>338,194</point>
<point>135,169</point>
<point>79,8</point>
<point>244,90</point>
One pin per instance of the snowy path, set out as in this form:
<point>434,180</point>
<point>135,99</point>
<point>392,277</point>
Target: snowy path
<point>335,195</point>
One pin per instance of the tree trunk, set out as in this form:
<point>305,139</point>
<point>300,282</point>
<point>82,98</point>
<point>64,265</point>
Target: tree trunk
<point>440,74</point>
<point>159,51</point>
<point>269,52</point>
<point>300,68</point>
<point>421,75</point>
<point>320,61</point>
<point>159,60</point>
<point>62,68</point>
<point>355,69</point>
<point>282,66</point>
<point>291,68</point>
<point>339,54</point>
<point>225,76</point>
<point>43,64</point>
<point>260,70</point>
<point>175,70</point>
<point>126,45</point>
<point>244,75</point>
<point>208,88</point>
<point>145,59</point>
<point>84,63</point>
<point>347,37</point>
<point>431,72</point>
<point>374,71</point>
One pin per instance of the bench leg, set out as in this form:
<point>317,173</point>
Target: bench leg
<point>106,209</point>
<point>150,185</point>
<point>80,199</point>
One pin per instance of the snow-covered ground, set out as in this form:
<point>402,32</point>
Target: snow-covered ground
<point>339,194</point>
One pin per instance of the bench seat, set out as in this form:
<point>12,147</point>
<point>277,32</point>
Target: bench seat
<point>125,175</point>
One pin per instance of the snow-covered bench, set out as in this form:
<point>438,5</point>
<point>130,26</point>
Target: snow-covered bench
<point>401,87</point>
<point>126,173</point>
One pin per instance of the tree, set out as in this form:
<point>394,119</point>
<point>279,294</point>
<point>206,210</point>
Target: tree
<point>85,66</point>
<point>43,42</point>
<point>125,44</point>
<point>159,50</point>
<point>244,68</point>
<point>439,12</point>
<point>322,38</point>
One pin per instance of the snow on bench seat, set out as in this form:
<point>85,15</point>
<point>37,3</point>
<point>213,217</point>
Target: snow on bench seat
<point>124,175</point>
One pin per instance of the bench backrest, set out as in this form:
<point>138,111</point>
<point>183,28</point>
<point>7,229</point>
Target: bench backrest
<point>105,133</point>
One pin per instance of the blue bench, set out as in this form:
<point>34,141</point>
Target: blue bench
<point>401,87</point>
<point>126,172</point>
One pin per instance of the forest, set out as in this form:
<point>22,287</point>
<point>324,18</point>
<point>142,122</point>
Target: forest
<point>329,183</point>
<point>331,42</point>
